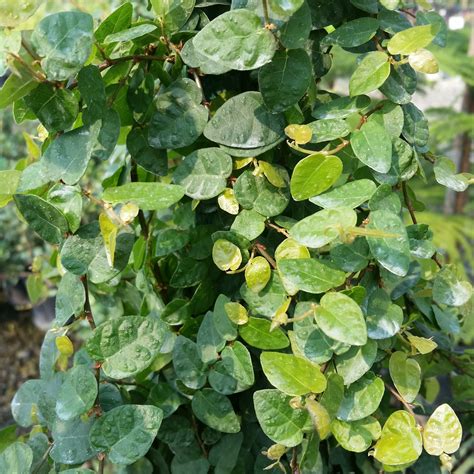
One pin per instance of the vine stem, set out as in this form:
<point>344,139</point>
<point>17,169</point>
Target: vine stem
<point>43,459</point>
<point>261,249</point>
<point>265,13</point>
<point>403,402</point>
<point>279,229</point>
<point>198,438</point>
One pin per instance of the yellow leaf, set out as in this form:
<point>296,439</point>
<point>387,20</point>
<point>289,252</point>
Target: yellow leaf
<point>108,231</point>
<point>64,346</point>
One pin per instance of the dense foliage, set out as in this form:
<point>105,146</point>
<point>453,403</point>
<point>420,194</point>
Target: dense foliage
<point>248,292</point>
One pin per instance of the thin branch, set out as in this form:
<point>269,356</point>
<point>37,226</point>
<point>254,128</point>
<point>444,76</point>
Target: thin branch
<point>43,459</point>
<point>265,12</point>
<point>279,229</point>
<point>409,204</point>
<point>198,438</point>
<point>261,249</point>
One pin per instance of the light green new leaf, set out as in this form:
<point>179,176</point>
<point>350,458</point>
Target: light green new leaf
<point>256,127</point>
<point>321,228</point>
<point>349,195</point>
<point>422,344</point>
<point>126,433</point>
<point>172,14</point>
<point>257,333</point>
<point>412,39</point>
<point>126,345</point>
<point>372,146</point>
<point>226,255</point>
<point>362,398</point>
<point>70,298</point>
<point>203,173</point>
<point>449,289</point>
<point>353,33</point>
<point>356,436</point>
<point>215,411</point>
<point>313,175</point>
<point>423,60</point>
<point>13,13</point>
<point>406,375</point>
<point>357,361</point>
<point>392,251</point>
<point>370,74</point>
<point>16,458</point>
<point>77,394</point>
<point>442,432</point>
<point>341,318</point>
<point>44,218</point>
<point>310,275</point>
<point>64,41</point>
<point>236,39</point>
<point>118,20</point>
<point>130,33</point>
<point>285,79</point>
<point>147,196</point>
<point>400,442</point>
<point>278,420</point>
<point>292,375</point>
<point>445,173</point>
<point>257,274</point>
<point>9,180</point>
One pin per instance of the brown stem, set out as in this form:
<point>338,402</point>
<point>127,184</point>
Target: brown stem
<point>279,229</point>
<point>261,249</point>
<point>198,438</point>
<point>408,203</point>
<point>402,401</point>
<point>265,12</point>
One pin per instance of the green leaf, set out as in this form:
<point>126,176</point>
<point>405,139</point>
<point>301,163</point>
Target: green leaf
<point>353,33</point>
<point>227,38</point>
<point>118,20</point>
<point>401,84</point>
<point>257,274</point>
<point>130,34</point>
<point>294,33</point>
<point>362,398</point>
<point>292,375</point>
<point>341,107</point>
<point>423,60</point>
<point>147,196</point>
<point>172,14</point>
<point>422,344</point>
<point>64,41</point>
<point>215,410</point>
<point>400,442</point>
<point>357,361</point>
<point>126,433</point>
<point>15,88</point>
<point>70,298</point>
<point>393,252</point>
<point>313,175</point>
<point>77,394</point>
<point>406,375</point>
<point>356,436</point>
<point>285,79</point>
<point>13,14</point>
<point>67,157</point>
<point>268,301</point>
<point>341,318</point>
<point>442,432</point>
<point>256,192</point>
<point>257,333</point>
<point>203,174</point>
<point>321,228</point>
<point>187,363</point>
<point>370,74</point>
<point>226,255</point>
<point>325,130</point>
<point>449,289</point>
<point>412,39</point>
<point>384,319</point>
<point>256,127</point>
<point>24,405</point>
<point>349,195</point>
<point>71,441</point>
<point>249,223</point>
<point>372,146</point>
<point>278,420</point>
<point>310,275</point>
<point>415,128</point>
<point>16,458</point>
<point>234,372</point>
<point>10,180</point>
<point>45,219</point>
<point>445,173</point>
<point>56,109</point>
<point>126,345</point>
<point>179,119</point>
<point>68,200</point>
<point>285,7</point>
<point>92,89</point>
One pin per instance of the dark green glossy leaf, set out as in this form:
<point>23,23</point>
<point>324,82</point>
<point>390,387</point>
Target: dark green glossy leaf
<point>257,333</point>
